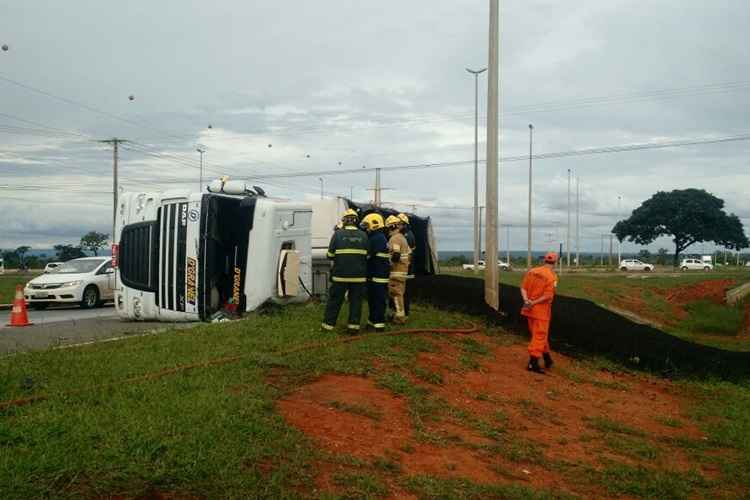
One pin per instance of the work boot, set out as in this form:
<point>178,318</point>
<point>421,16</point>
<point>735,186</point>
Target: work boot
<point>548,361</point>
<point>534,365</point>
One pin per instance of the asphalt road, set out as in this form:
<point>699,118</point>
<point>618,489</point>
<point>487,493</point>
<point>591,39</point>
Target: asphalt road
<point>66,326</point>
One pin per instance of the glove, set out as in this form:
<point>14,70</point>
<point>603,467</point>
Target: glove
<point>395,257</point>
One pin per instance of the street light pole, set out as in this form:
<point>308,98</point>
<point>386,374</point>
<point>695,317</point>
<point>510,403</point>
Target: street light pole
<point>567,239</point>
<point>201,150</point>
<point>477,244</point>
<point>619,243</point>
<point>321,187</point>
<point>578,222</point>
<point>491,285</point>
<point>528,250</point>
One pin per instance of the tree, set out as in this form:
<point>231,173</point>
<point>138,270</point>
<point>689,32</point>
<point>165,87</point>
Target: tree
<point>93,241</point>
<point>644,255</point>
<point>688,215</point>
<point>68,252</point>
<point>661,256</point>
<point>21,252</point>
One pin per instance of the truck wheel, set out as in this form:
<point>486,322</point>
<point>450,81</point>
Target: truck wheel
<point>90,297</point>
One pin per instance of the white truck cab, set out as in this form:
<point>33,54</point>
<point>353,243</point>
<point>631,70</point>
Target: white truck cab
<point>183,256</point>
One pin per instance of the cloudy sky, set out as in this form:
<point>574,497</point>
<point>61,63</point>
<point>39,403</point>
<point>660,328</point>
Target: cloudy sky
<point>337,85</point>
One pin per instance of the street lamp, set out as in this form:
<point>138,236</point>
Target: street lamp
<point>619,243</point>
<point>201,149</point>
<point>476,74</point>
<point>567,239</point>
<point>531,141</point>
<point>321,187</point>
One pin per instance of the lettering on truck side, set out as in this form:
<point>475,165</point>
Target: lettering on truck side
<point>183,214</point>
<point>236,287</point>
<point>191,272</point>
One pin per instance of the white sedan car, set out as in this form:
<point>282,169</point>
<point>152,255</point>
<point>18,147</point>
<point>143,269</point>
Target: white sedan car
<point>88,281</point>
<point>693,264</point>
<point>502,265</point>
<point>635,265</point>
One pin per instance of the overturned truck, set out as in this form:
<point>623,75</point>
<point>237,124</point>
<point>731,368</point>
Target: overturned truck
<point>186,256</point>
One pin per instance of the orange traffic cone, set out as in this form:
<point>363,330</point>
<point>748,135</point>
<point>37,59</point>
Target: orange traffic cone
<point>18,315</point>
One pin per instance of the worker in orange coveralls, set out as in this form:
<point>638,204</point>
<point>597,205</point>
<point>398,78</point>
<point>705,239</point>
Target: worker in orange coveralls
<point>538,291</point>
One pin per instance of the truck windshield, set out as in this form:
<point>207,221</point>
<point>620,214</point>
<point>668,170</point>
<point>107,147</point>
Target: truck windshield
<point>78,266</point>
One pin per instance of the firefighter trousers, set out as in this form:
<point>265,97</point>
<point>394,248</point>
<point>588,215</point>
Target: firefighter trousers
<point>539,330</point>
<point>336,295</point>
<point>377,296</point>
<point>396,288</point>
<point>407,296</point>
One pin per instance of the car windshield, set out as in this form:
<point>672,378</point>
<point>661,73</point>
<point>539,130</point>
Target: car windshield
<point>78,266</point>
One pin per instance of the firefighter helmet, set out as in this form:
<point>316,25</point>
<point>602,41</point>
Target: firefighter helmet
<point>374,222</point>
<point>350,215</point>
<point>392,221</point>
<point>403,217</point>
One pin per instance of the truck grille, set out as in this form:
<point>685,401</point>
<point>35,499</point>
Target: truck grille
<point>172,220</point>
<point>139,248</point>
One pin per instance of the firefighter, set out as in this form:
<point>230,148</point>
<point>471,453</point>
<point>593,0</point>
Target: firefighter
<point>348,250</point>
<point>412,241</point>
<point>538,291</point>
<point>378,270</point>
<point>399,252</point>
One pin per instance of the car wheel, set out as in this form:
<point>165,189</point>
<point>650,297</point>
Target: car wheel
<point>706,268</point>
<point>90,297</point>
<point>39,307</point>
<point>647,269</point>
<point>623,268</point>
<point>684,268</point>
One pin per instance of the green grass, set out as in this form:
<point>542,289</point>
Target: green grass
<point>8,282</point>
<point>714,319</point>
<point>608,425</point>
<point>447,489</point>
<point>644,482</point>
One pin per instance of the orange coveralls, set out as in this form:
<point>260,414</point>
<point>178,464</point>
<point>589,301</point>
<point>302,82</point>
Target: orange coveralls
<point>538,282</point>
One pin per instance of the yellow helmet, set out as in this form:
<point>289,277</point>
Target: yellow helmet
<point>373,221</point>
<point>349,213</point>
<point>392,221</point>
<point>402,216</point>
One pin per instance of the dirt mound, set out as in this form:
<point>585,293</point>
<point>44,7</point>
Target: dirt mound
<point>495,424</point>
<point>713,290</point>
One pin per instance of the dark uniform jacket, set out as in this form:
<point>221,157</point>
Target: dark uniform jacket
<point>378,263</point>
<point>412,241</point>
<point>348,250</point>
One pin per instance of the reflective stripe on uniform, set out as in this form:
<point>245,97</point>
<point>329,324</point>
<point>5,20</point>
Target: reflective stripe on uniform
<point>379,280</point>
<point>410,276</point>
<point>353,327</point>
<point>325,326</point>
<point>396,248</point>
<point>330,255</point>
<point>351,251</point>
<point>398,274</point>
<point>384,255</point>
<point>340,279</point>
<point>350,228</point>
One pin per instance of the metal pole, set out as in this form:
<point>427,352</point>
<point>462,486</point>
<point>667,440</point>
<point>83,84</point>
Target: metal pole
<point>321,187</point>
<point>491,290</point>
<point>619,243</point>
<point>200,150</point>
<point>601,252</point>
<point>115,143</point>
<point>610,251</point>
<point>567,239</point>
<point>507,243</point>
<point>377,187</point>
<point>477,243</point>
<point>528,250</point>
<point>578,222</point>
<point>480,229</point>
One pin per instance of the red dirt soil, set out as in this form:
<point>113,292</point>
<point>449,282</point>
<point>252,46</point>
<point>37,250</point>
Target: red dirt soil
<point>713,290</point>
<point>554,414</point>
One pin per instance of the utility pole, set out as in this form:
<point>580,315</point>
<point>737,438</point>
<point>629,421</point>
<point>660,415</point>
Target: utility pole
<point>578,222</point>
<point>321,187</point>
<point>481,209</point>
<point>567,239</point>
<point>531,141</point>
<point>491,286</point>
<point>507,243</point>
<point>601,252</point>
<point>619,243</point>
<point>115,142</point>
<point>201,149</point>
<point>378,189</point>
<point>477,244</point>
<point>611,236</point>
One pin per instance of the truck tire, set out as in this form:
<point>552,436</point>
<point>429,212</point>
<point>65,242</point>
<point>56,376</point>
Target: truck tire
<point>90,297</point>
